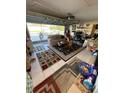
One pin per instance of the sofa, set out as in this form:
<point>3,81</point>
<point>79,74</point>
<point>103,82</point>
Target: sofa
<point>54,39</point>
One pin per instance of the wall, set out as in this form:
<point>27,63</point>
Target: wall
<point>91,22</point>
<point>41,18</point>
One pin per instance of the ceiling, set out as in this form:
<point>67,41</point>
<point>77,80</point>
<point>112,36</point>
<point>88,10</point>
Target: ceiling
<point>84,10</point>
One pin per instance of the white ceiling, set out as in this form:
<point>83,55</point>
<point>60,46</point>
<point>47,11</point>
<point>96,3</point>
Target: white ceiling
<point>83,10</point>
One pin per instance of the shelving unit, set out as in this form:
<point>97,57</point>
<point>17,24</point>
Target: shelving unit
<point>87,28</point>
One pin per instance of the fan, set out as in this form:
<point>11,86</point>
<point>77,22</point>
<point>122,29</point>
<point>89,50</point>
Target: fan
<point>70,19</point>
<point>70,16</point>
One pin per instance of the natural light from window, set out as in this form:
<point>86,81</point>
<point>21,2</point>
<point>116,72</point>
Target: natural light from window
<point>40,32</point>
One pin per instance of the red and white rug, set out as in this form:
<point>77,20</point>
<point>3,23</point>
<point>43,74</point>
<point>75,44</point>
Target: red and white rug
<point>47,86</point>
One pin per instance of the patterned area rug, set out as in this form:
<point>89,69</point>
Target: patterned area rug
<point>47,58</point>
<point>63,56</point>
<point>47,86</point>
<point>74,66</point>
<point>66,50</point>
<point>60,81</point>
<point>65,76</point>
<point>38,48</point>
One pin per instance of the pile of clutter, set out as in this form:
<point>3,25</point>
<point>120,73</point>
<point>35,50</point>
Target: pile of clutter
<point>89,72</point>
<point>92,46</point>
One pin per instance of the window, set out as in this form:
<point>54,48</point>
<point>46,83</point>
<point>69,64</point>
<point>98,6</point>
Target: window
<point>40,32</point>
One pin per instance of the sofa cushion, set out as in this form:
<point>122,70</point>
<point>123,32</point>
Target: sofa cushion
<point>54,39</point>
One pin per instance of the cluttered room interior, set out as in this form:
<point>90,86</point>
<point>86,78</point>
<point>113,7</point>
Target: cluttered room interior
<point>62,46</point>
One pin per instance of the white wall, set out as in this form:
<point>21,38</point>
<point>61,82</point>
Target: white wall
<point>91,22</point>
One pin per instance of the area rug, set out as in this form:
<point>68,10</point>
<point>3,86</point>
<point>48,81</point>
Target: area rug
<point>66,75</point>
<point>47,86</point>
<point>63,56</point>
<point>74,65</point>
<point>61,80</point>
<point>38,48</point>
<point>47,58</point>
<point>64,78</point>
<point>67,50</point>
